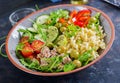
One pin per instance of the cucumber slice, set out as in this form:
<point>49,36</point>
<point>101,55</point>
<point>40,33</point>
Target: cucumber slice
<point>42,19</point>
<point>31,29</point>
<point>52,33</point>
<point>35,26</point>
<point>39,37</point>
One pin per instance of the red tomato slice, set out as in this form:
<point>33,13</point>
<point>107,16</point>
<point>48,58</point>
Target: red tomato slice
<point>27,50</point>
<point>24,39</point>
<point>36,45</point>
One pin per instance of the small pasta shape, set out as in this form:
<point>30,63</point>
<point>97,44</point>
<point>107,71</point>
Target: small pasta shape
<point>86,39</point>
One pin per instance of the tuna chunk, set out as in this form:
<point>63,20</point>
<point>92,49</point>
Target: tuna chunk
<point>45,52</point>
<point>43,62</point>
<point>53,52</point>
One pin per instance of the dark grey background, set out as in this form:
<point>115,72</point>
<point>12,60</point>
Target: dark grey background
<point>107,70</point>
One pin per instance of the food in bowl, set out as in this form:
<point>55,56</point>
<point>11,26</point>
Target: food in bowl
<point>61,41</point>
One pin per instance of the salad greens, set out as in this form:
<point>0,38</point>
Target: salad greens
<point>95,22</point>
<point>68,67</point>
<point>56,42</point>
<point>58,14</point>
<point>72,30</point>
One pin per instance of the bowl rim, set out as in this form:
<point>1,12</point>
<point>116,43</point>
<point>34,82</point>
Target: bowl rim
<point>61,73</point>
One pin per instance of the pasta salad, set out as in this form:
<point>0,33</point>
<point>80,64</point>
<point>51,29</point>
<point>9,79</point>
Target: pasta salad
<point>61,41</point>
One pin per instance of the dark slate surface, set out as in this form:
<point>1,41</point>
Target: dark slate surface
<point>6,5</point>
<point>107,70</point>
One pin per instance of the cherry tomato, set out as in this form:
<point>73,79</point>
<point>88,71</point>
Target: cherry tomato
<point>27,50</point>
<point>62,20</point>
<point>36,45</point>
<point>24,39</point>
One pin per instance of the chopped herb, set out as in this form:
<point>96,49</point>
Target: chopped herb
<point>37,7</point>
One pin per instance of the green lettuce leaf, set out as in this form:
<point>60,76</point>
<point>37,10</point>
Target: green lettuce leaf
<point>32,64</point>
<point>85,57</point>
<point>68,67</point>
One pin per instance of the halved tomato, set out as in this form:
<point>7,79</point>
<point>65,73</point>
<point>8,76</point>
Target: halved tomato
<point>62,20</point>
<point>31,56</point>
<point>36,45</point>
<point>27,50</point>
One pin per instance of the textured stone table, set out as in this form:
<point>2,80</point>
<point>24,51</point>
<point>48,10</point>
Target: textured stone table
<point>107,70</point>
